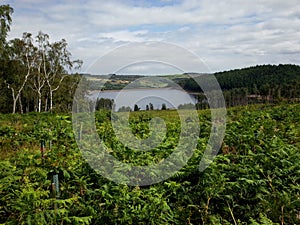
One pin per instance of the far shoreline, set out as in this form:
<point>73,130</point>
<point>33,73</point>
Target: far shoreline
<point>142,89</point>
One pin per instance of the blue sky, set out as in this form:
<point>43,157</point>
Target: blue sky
<point>224,34</point>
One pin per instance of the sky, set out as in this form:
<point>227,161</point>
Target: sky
<point>225,35</point>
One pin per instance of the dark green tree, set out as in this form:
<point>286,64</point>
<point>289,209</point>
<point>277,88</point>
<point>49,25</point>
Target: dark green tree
<point>104,103</point>
<point>5,22</point>
<point>151,107</point>
<point>136,108</point>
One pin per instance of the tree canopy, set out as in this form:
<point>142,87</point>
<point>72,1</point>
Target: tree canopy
<point>34,71</point>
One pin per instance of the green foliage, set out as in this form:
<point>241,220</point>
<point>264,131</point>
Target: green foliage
<point>136,108</point>
<point>5,22</point>
<point>253,180</point>
<point>34,72</point>
<point>256,84</point>
<point>104,103</point>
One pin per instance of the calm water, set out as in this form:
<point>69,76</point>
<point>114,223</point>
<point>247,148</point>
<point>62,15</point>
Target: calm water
<point>142,97</point>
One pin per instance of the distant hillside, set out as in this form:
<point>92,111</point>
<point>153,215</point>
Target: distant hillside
<point>259,76</point>
<point>118,82</point>
<point>263,83</point>
<point>257,84</point>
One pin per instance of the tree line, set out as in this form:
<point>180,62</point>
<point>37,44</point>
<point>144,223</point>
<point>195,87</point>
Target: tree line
<point>256,84</point>
<point>36,74</point>
<point>108,104</point>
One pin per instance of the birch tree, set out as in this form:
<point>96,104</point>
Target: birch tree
<point>22,59</point>
<point>56,63</point>
<point>39,78</point>
<point>60,65</point>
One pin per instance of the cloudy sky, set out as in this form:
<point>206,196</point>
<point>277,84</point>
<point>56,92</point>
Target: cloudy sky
<point>225,34</point>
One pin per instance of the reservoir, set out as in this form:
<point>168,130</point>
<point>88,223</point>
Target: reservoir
<point>142,97</point>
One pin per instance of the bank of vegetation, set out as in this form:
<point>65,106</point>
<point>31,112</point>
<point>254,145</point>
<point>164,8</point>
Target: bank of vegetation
<point>254,179</point>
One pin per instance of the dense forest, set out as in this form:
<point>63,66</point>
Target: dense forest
<point>257,84</point>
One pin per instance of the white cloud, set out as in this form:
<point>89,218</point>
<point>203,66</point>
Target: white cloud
<point>228,34</point>
<point>125,36</point>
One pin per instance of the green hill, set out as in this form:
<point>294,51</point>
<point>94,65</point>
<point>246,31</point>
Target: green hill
<point>263,83</point>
